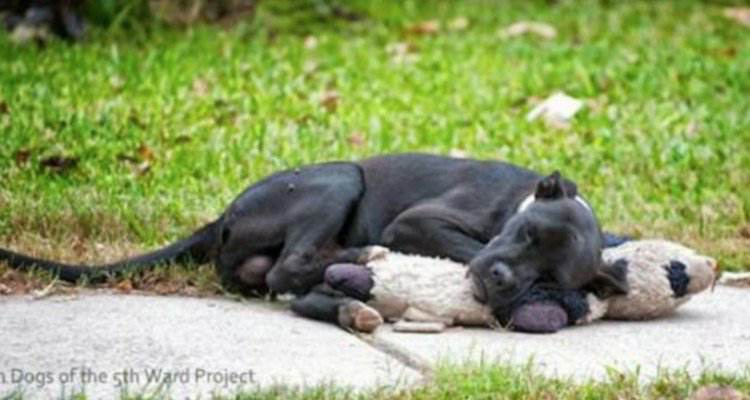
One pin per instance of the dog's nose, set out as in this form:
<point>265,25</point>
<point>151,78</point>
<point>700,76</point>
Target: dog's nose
<point>502,275</point>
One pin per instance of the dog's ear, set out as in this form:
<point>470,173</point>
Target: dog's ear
<point>569,188</point>
<point>550,187</point>
<point>610,280</point>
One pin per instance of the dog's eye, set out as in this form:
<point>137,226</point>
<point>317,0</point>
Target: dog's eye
<point>531,235</point>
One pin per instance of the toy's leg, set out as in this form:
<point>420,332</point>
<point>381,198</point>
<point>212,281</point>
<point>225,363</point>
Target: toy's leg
<point>351,279</point>
<point>541,317</point>
<point>325,304</point>
<point>549,310</point>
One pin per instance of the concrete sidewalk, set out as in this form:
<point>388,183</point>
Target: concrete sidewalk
<point>215,345</point>
<point>711,331</point>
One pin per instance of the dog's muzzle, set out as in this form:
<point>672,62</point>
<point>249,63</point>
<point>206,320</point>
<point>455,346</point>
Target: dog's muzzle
<point>477,288</point>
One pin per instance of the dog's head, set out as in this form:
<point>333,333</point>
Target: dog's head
<point>553,239</point>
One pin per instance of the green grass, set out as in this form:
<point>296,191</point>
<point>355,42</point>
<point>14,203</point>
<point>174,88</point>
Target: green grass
<point>496,381</point>
<point>662,150</point>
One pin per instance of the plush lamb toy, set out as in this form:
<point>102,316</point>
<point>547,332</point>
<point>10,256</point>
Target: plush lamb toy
<point>662,276</point>
<point>435,293</point>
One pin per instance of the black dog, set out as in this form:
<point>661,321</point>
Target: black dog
<point>61,17</point>
<point>513,226</point>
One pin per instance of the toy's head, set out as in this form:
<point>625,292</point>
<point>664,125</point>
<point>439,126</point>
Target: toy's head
<point>661,275</point>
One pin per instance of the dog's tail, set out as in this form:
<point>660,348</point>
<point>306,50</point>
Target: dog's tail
<point>197,247</point>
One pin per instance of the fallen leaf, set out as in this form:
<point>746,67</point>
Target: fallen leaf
<point>44,292</point>
<point>4,107</point>
<point>141,164</point>
<point>22,156</point>
<point>190,291</point>
<point>200,87</point>
<point>127,158</point>
<point>145,153</point>
<point>182,139</point>
<point>738,14</point>
<point>135,120</point>
<point>329,100</point>
<point>521,28</point>
<point>597,104</point>
<point>458,24</point>
<point>745,231</point>
<point>310,67</point>
<point>117,82</point>
<point>4,289</point>
<point>304,119</point>
<point>124,286</point>
<point>728,52</point>
<point>630,57</point>
<point>717,392</point>
<point>557,109</point>
<point>357,139</point>
<point>310,42</point>
<point>78,246</point>
<point>429,27</point>
<point>692,129</point>
<point>59,163</point>
<point>346,14</point>
<point>143,168</point>
<point>163,288</point>
<point>49,134</point>
<point>402,52</point>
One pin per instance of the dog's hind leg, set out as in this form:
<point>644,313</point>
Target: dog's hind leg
<point>295,218</point>
<point>312,234</point>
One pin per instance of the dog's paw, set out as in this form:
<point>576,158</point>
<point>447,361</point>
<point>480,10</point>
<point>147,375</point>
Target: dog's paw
<point>373,253</point>
<point>597,309</point>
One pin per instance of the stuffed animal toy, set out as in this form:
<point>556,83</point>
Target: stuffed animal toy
<point>427,294</point>
<point>662,276</point>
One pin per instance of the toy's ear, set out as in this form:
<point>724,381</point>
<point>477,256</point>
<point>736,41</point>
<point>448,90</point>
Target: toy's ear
<point>611,280</point>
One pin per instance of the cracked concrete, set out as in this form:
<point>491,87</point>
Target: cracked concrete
<point>220,346</point>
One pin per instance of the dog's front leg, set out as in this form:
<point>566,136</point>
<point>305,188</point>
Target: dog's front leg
<point>433,230</point>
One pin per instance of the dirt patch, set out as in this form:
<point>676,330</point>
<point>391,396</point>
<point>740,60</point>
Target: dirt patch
<point>188,280</point>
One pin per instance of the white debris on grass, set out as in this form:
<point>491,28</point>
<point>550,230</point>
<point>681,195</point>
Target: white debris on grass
<point>543,30</point>
<point>556,109</point>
